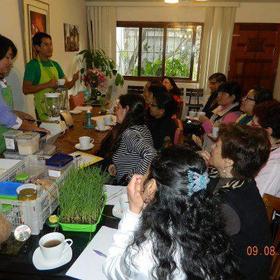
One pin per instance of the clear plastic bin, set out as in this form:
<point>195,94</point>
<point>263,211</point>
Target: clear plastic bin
<point>28,143</point>
<point>10,139</point>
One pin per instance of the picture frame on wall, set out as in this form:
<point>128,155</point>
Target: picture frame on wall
<point>36,19</point>
<point>71,37</point>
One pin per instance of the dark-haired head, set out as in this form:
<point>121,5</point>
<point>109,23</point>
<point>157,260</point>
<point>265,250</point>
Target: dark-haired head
<point>241,148</point>
<point>232,89</point>
<point>215,80</point>
<point>171,86</point>
<point>162,103</point>
<point>38,37</point>
<point>255,96</point>
<point>267,115</point>
<point>7,44</point>
<point>182,217</point>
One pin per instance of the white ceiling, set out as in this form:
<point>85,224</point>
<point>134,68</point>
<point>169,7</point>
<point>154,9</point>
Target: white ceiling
<point>236,1</point>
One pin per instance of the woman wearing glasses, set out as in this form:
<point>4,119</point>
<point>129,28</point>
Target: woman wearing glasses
<point>254,97</point>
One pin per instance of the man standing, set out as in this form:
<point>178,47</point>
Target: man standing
<point>41,74</point>
<point>214,81</point>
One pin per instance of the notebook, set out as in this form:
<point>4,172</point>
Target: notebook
<point>89,264</point>
<point>85,159</point>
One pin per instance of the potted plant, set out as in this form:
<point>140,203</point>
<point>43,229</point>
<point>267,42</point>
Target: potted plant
<point>99,66</point>
<point>82,199</point>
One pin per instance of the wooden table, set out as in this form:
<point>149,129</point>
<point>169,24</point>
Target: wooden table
<point>66,142</point>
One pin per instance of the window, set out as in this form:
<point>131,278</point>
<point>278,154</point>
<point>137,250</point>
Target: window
<point>158,49</point>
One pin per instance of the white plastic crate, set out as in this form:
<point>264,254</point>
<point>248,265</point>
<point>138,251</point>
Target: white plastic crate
<point>33,213</point>
<point>10,173</point>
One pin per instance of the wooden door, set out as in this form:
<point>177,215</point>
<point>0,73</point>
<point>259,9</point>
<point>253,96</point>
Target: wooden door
<point>254,55</point>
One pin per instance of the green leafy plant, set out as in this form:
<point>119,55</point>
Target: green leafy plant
<point>98,59</point>
<point>81,195</point>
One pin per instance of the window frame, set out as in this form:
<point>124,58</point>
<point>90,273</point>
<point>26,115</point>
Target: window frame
<point>164,25</point>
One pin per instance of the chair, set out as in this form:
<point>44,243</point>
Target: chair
<point>272,204</point>
<point>135,89</point>
<point>193,93</point>
<point>76,100</point>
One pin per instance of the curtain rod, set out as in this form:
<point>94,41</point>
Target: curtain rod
<point>160,4</point>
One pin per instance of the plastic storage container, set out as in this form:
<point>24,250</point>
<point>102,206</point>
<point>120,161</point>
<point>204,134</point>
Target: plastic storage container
<point>10,139</point>
<point>33,213</point>
<point>28,143</point>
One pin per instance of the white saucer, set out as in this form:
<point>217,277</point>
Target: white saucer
<point>75,112</point>
<point>106,127</point>
<point>78,147</point>
<point>41,264</point>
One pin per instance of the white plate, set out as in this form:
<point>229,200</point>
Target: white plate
<point>106,127</point>
<point>75,112</point>
<point>41,264</point>
<point>78,147</point>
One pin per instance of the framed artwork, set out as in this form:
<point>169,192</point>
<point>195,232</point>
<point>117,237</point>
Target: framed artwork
<point>36,19</point>
<point>71,37</point>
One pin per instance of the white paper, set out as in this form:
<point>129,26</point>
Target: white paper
<point>88,266</point>
<point>114,193</point>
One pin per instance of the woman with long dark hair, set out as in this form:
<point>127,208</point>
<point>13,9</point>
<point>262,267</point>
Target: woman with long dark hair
<point>132,148</point>
<point>173,228</point>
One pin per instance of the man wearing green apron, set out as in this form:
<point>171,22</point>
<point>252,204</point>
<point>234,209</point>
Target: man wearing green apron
<point>41,74</point>
<point>8,119</point>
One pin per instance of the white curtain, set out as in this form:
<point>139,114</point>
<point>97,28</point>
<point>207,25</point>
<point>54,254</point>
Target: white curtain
<point>101,23</point>
<point>217,39</point>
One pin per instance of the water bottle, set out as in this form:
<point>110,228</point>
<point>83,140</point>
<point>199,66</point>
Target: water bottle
<point>88,119</point>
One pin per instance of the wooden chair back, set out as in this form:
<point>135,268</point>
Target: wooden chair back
<point>76,100</point>
<point>272,204</point>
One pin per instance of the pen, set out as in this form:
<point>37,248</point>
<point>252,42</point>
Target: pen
<point>99,253</point>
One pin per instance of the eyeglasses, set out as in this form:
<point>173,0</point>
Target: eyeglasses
<point>249,98</point>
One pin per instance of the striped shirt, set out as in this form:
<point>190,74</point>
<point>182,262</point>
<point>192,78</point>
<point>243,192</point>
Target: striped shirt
<point>135,152</point>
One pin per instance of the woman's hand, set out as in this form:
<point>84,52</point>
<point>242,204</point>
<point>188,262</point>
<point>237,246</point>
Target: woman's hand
<point>205,155</point>
<point>112,170</point>
<point>134,191</point>
<point>203,118</point>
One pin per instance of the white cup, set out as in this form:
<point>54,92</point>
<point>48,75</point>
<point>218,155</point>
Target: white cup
<point>108,120</point>
<point>100,123</point>
<point>85,141</point>
<point>54,245</point>
<point>215,131</point>
<point>60,82</point>
<point>201,114</point>
<point>192,114</point>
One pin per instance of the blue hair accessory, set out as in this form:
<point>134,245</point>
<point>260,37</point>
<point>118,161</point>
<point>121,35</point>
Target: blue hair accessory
<point>197,181</point>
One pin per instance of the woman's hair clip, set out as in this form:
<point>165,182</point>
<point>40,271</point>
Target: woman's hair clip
<point>197,181</point>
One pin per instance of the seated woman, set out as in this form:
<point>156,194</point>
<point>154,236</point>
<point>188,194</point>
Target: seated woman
<point>267,115</point>
<point>175,92</point>
<point>238,155</point>
<point>147,94</point>
<point>254,97</point>
<point>161,124</point>
<point>228,99</point>
<point>173,228</point>
<point>132,148</point>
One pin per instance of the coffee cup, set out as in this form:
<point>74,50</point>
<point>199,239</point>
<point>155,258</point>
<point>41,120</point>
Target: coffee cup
<point>85,141</point>
<point>60,82</point>
<point>192,114</point>
<point>201,114</point>
<point>215,131</point>
<point>54,245</point>
<point>108,120</point>
<point>100,124</point>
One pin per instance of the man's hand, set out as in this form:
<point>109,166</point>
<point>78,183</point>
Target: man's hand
<point>53,83</point>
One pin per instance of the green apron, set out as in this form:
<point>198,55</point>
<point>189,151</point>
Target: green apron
<point>47,73</point>
<point>8,98</point>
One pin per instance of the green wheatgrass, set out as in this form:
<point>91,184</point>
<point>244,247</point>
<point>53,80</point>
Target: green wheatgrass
<point>81,195</point>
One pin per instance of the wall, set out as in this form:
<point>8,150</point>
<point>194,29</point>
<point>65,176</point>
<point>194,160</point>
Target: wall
<point>61,11</point>
<point>248,12</point>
